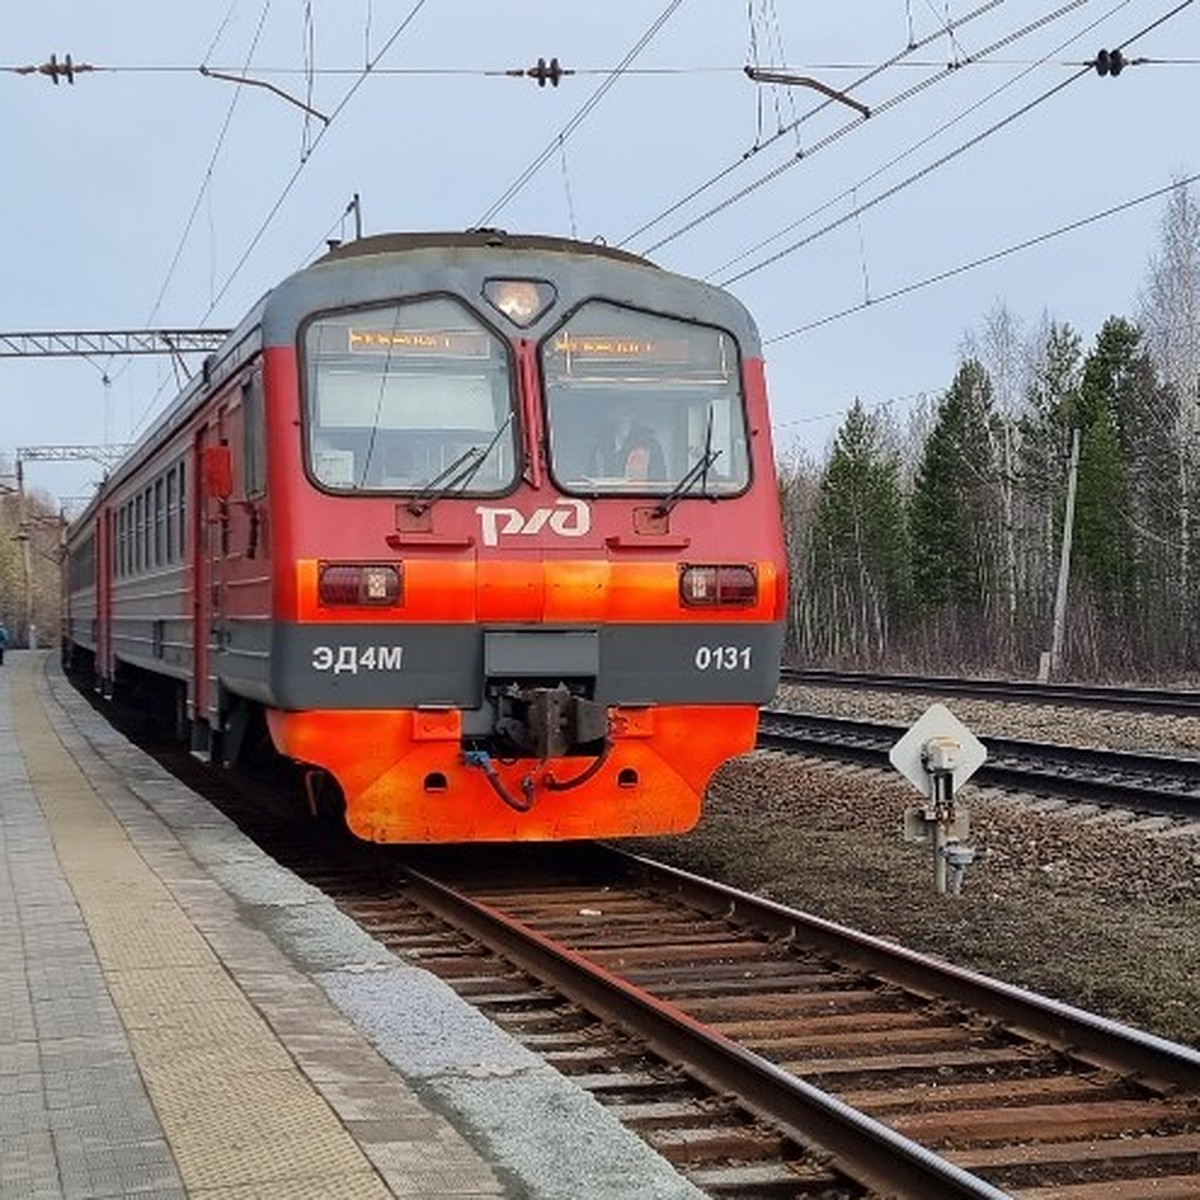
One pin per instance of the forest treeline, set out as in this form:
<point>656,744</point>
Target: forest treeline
<point>33,535</point>
<point>939,545</point>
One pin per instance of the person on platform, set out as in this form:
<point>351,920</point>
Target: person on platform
<point>3,640</point>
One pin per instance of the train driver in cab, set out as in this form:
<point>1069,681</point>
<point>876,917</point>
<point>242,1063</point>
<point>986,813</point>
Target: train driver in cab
<point>628,449</point>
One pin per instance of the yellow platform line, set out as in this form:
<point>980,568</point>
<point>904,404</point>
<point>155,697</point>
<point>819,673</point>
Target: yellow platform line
<point>240,1118</point>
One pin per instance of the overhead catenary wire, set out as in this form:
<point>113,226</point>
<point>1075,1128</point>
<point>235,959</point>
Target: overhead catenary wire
<point>291,182</point>
<point>774,36</point>
<point>950,155</point>
<point>202,191</point>
<point>580,116</point>
<point>843,130</point>
<point>732,167</point>
<point>853,190</point>
<point>206,180</point>
<point>513,73</point>
<point>995,256</point>
<point>920,396</point>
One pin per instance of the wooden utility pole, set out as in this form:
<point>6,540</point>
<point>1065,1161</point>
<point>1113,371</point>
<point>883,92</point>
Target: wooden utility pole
<point>1064,562</point>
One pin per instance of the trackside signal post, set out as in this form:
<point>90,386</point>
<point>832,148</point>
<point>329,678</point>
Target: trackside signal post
<point>937,755</point>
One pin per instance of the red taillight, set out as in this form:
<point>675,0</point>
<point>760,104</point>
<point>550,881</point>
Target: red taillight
<point>360,583</point>
<point>710,586</point>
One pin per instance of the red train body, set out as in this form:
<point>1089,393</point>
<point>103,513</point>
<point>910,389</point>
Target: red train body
<point>482,530</point>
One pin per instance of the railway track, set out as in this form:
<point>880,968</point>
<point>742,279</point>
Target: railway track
<point>768,1053</point>
<point>1148,783</point>
<point>1172,702</point>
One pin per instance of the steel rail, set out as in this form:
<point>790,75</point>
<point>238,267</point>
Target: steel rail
<point>861,1147</point>
<point>1094,1039</point>
<point>1012,763</point>
<point>1171,701</point>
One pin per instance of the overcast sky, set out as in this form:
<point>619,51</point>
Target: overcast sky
<point>149,195</point>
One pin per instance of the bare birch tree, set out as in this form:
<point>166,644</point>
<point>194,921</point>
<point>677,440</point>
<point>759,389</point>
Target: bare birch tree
<point>1170,322</point>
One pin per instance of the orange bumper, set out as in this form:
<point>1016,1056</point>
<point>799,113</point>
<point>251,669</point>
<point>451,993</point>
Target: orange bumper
<point>405,779</point>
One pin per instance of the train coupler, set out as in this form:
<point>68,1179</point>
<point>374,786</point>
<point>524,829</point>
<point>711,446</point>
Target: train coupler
<point>550,722</point>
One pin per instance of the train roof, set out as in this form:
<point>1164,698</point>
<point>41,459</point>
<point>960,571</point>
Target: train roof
<point>363,272</point>
<point>494,239</point>
<point>375,270</point>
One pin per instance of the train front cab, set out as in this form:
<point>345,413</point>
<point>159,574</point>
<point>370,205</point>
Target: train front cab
<point>516,641</point>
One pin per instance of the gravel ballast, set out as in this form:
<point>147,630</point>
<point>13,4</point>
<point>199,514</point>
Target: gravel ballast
<point>1100,909</point>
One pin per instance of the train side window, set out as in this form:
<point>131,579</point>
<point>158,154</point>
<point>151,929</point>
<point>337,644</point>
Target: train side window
<point>160,522</point>
<point>183,538</point>
<point>148,527</point>
<point>139,532</point>
<point>171,515</point>
<point>253,437</point>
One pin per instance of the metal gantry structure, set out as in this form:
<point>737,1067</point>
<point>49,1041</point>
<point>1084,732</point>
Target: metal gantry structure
<point>63,343</point>
<point>107,456</point>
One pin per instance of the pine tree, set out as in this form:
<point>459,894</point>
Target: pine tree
<point>953,515</point>
<point>1103,561</point>
<point>857,585</point>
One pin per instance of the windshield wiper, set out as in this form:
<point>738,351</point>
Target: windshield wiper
<point>457,475</point>
<point>698,470</point>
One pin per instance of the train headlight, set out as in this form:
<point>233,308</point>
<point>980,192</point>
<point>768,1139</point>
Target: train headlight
<point>360,583</point>
<point>718,585</point>
<point>522,301</point>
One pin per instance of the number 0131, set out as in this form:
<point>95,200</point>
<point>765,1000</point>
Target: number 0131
<point>723,658</point>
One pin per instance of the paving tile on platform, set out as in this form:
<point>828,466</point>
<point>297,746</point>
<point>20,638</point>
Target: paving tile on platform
<point>118,1088</point>
<point>265,1128</point>
<point>89,1168</point>
<point>28,1167</point>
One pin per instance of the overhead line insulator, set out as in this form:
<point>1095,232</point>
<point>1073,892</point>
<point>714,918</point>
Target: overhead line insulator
<point>54,70</point>
<point>547,72</point>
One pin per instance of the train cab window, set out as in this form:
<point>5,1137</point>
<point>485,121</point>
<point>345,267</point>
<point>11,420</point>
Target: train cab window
<point>409,397</point>
<point>644,404</point>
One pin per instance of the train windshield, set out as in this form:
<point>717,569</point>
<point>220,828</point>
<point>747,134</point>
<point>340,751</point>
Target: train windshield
<point>644,404</point>
<point>408,397</point>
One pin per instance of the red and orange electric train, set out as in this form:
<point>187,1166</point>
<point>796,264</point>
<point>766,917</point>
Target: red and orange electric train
<point>482,530</point>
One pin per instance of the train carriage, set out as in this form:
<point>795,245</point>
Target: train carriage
<point>482,530</point>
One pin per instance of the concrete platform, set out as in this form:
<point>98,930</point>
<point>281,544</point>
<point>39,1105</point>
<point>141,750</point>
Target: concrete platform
<point>180,1016</point>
